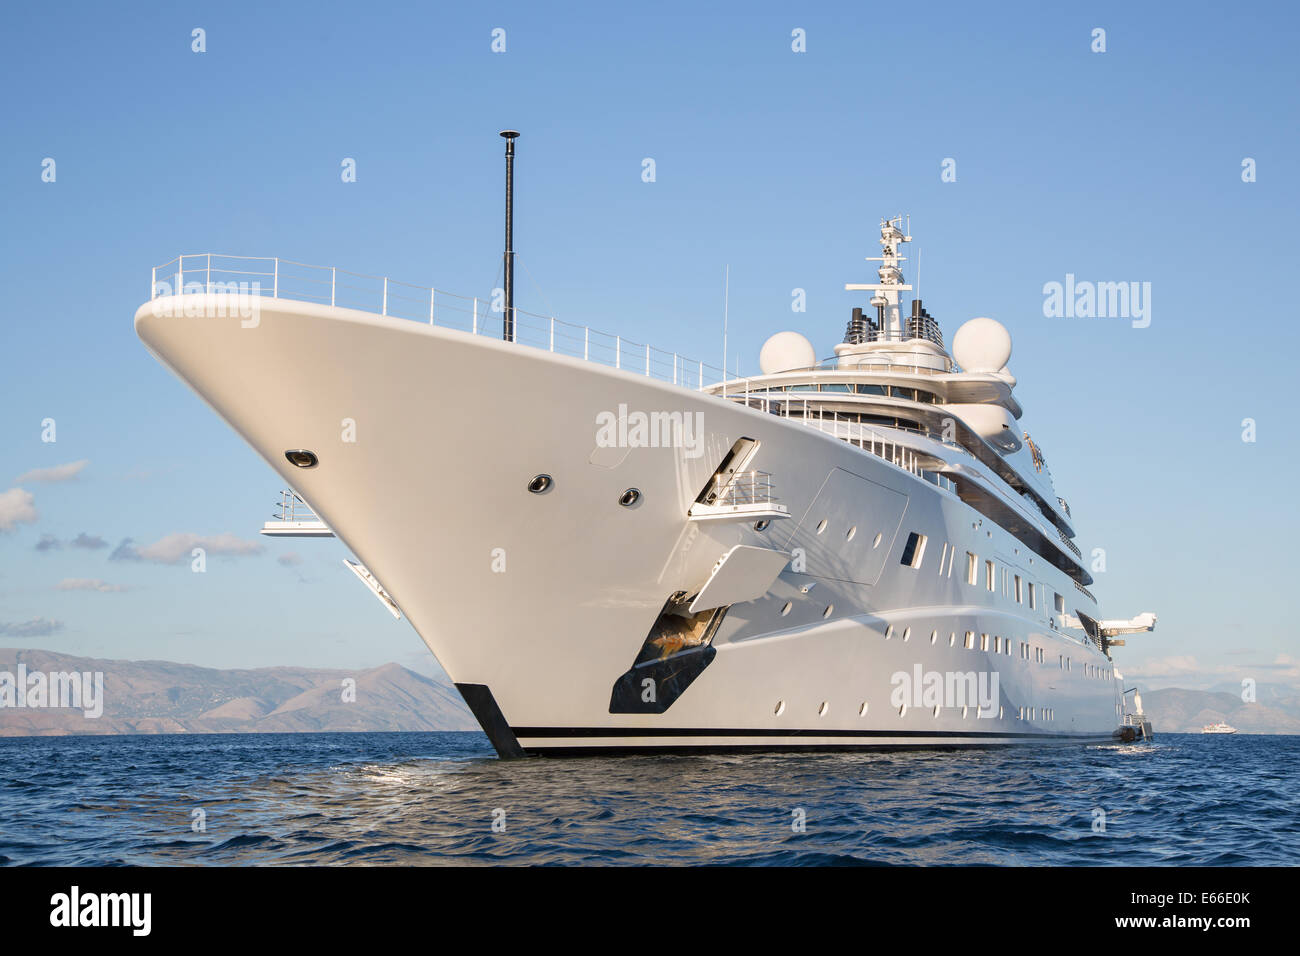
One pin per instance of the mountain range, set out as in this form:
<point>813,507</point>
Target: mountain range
<point>162,697</point>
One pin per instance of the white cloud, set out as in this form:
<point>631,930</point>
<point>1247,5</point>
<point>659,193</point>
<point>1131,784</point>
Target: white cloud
<point>1186,671</point>
<point>88,584</point>
<point>1168,668</point>
<point>16,505</point>
<point>177,548</point>
<point>54,473</point>
<point>36,627</point>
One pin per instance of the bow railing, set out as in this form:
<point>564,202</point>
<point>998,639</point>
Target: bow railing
<point>286,279</point>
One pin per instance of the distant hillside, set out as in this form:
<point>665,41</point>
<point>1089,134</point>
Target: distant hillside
<point>1177,711</point>
<point>159,697</point>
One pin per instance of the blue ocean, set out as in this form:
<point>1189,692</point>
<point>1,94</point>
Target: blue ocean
<point>444,798</point>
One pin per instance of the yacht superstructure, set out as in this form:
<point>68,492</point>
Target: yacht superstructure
<point>615,549</point>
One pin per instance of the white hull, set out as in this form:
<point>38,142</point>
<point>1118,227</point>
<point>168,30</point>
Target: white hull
<point>450,428</point>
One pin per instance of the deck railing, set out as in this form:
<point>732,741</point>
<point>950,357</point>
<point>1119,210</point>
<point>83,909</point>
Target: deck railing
<point>852,431</point>
<point>747,488</point>
<point>286,279</point>
<point>1074,548</point>
<point>293,508</point>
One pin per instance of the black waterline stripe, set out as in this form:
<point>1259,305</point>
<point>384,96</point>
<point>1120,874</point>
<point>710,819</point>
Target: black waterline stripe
<point>755,732</point>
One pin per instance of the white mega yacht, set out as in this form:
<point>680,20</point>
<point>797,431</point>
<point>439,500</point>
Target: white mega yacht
<point>1222,727</point>
<point>610,548</point>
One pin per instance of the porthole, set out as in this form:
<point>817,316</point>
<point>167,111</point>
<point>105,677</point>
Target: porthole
<point>761,525</point>
<point>889,632</point>
<point>851,533</point>
<point>540,484</point>
<point>630,497</point>
<point>880,536</point>
<point>936,713</point>
<point>821,526</point>
<point>302,458</point>
<point>902,710</point>
<point>952,639</point>
<point>862,711</point>
<point>821,711</point>
<point>829,609</point>
<point>786,610</point>
<point>934,636</point>
<point>780,708</point>
<point>907,633</point>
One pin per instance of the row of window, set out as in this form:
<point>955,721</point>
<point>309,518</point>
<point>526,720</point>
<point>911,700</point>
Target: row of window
<point>1031,713</point>
<point>1012,584</point>
<point>1092,670</point>
<point>825,708</point>
<point>880,391</point>
<point>1022,713</point>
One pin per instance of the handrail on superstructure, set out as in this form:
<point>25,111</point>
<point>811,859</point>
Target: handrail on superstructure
<point>287,279</point>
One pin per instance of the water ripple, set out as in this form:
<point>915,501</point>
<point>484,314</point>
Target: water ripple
<point>427,799</point>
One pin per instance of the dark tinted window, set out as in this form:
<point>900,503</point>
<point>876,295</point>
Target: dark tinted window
<point>909,549</point>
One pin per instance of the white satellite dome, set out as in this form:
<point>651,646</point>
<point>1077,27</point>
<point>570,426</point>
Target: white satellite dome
<point>982,345</point>
<point>785,351</point>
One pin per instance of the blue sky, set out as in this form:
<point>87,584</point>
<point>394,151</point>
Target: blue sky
<point>1117,166</point>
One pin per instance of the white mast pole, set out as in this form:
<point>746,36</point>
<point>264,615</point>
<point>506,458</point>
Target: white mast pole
<point>726,302</point>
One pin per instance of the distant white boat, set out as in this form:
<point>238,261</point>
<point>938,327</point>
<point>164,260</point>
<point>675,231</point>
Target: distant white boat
<point>1220,728</point>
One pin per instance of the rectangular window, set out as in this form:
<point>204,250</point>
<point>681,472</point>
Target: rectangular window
<point>1006,647</point>
<point>914,550</point>
<point>1033,600</point>
<point>943,556</point>
<point>972,563</point>
<point>1019,597</point>
<point>970,640</point>
<point>997,644</point>
<point>984,642</point>
<point>1060,603</point>
<point>990,576</point>
<point>951,555</point>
